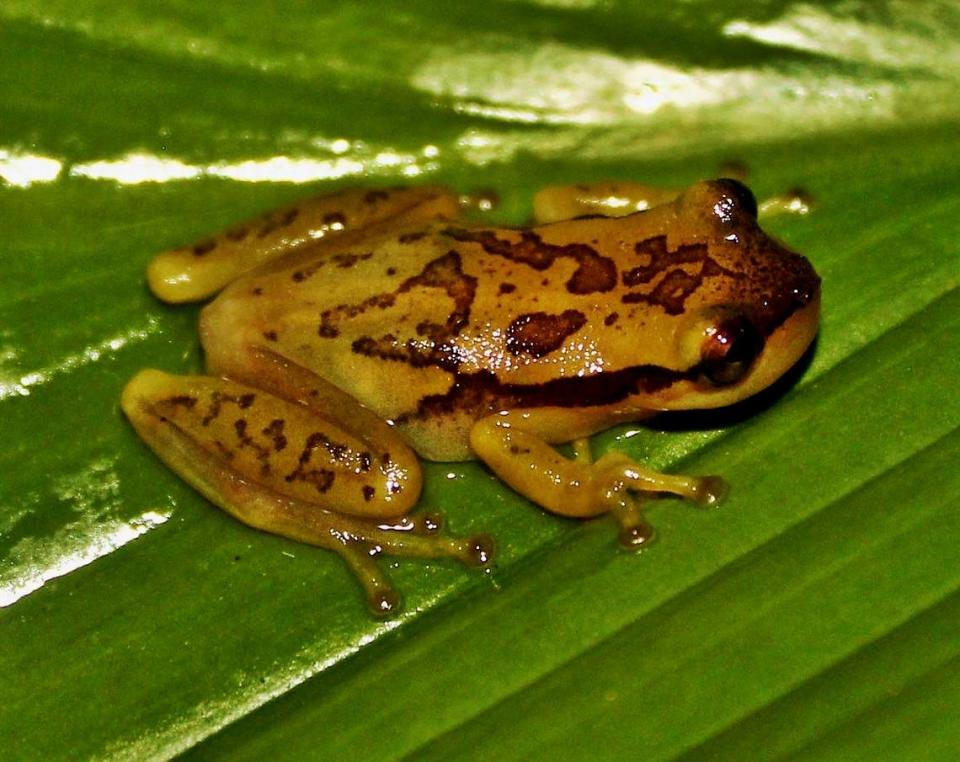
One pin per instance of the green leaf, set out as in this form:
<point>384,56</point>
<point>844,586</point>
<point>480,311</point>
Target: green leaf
<point>813,616</point>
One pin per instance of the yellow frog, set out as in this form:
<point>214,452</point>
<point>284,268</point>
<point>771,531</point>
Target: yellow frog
<point>356,330</point>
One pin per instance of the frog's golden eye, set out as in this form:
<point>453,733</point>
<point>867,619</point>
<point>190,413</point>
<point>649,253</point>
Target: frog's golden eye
<point>729,349</point>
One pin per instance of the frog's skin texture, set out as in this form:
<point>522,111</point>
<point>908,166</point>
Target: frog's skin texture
<point>354,331</point>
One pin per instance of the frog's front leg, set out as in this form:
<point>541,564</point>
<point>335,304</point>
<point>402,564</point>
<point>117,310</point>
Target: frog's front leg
<point>194,272</point>
<point>617,199</point>
<point>610,199</point>
<point>517,446</point>
<point>279,466</point>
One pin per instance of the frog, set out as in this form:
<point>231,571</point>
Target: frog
<point>353,333</point>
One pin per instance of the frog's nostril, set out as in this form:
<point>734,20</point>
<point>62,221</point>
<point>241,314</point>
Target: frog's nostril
<point>729,350</point>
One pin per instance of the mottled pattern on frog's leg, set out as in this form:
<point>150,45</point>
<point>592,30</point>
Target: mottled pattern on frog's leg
<point>278,466</point>
<point>199,270</point>
<point>608,199</point>
<point>516,446</point>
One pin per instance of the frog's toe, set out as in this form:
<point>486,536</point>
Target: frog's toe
<point>624,486</point>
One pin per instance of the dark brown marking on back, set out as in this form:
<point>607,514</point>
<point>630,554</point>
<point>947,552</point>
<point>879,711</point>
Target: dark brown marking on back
<point>610,319</point>
<point>368,492</point>
<point>329,318</point>
<point>672,291</point>
<point>273,222</point>
<point>594,274</point>
<point>411,237</point>
<point>372,197</point>
<point>349,260</point>
<point>299,276</point>
<point>506,288</point>
<point>204,247</point>
<point>538,333</point>
<point>270,335</point>
<point>238,233</point>
<point>444,273</point>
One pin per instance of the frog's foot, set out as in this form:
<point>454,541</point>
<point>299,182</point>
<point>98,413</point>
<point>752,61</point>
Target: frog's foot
<point>279,466</point>
<point>621,484</point>
<point>516,447</point>
<point>360,543</point>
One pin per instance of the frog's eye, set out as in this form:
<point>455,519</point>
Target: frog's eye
<point>735,195</point>
<point>729,349</point>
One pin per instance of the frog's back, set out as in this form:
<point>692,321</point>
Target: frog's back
<point>435,326</point>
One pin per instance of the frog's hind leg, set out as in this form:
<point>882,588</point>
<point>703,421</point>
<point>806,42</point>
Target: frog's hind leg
<point>517,447</point>
<point>199,270</point>
<point>277,465</point>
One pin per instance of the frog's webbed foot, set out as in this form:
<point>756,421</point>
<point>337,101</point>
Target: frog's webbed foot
<point>516,446</point>
<point>279,466</point>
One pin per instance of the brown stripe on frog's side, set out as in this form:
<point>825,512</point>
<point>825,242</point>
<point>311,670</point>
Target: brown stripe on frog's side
<point>595,273</point>
<point>373,196</point>
<point>536,334</point>
<point>481,393</point>
<point>677,285</point>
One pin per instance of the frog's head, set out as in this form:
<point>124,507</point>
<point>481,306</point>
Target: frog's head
<point>755,310</point>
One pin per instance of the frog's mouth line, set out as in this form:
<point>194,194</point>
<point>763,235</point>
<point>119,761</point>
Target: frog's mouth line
<point>652,387</point>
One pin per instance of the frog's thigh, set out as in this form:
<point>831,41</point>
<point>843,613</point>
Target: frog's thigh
<point>516,447</point>
<point>610,199</point>
<point>279,466</point>
<point>194,272</point>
